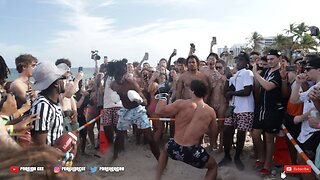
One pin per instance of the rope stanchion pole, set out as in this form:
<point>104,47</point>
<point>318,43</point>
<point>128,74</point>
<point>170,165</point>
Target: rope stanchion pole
<point>162,119</point>
<point>173,119</point>
<point>304,156</point>
<point>88,123</point>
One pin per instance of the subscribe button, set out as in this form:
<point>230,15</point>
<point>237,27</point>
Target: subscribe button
<point>297,169</point>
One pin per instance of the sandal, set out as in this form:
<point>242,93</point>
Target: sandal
<point>265,172</point>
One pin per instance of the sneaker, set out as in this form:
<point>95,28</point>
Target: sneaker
<point>239,164</point>
<point>258,164</point>
<point>225,161</point>
<point>265,172</point>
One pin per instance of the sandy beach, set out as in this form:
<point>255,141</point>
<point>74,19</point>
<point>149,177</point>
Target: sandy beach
<point>139,164</point>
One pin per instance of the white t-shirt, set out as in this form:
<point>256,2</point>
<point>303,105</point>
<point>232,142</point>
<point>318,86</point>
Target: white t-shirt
<point>306,130</point>
<point>239,80</point>
<point>107,102</point>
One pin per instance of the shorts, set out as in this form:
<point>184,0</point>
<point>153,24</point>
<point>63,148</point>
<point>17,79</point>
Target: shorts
<point>109,116</point>
<point>195,155</point>
<point>241,121</point>
<point>270,122</point>
<point>293,129</point>
<point>310,146</point>
<point>137,115</point>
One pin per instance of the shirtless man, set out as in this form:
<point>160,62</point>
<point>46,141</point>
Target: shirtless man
<point>25,64</point>
<point>184,81</point>
<point>193,117</point>
<point>22,87</point>
<point>131,112</point>
<point>216,97</point>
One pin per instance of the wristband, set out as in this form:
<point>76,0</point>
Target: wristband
<point>10,130</point>
<point>318,126</point>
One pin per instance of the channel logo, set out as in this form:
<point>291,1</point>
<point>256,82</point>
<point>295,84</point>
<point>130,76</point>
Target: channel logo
<point>56,169</point>
<point>297,169</point>
<point>93,169</point>
<point>14,169</point>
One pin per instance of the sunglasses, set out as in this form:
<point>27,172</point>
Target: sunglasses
<point>218,67</point>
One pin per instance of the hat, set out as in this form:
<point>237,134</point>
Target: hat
<point>45,74</point>
<point>63,66</point>
<point>313,62</point>
<point>274,52</point>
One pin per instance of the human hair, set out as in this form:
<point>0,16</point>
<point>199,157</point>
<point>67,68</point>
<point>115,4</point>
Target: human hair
<point>214,55</point>
<point>163,74</point>
<point>4,70</point>
<point>204,62</point>
<point>35,156</point>
<point>163,59</point>
<point>254,53</point>
<point>3,99</point>
<point>193,57</point>
<point>310,56</point>
<point>264,58</point>
<point>199,88</point>
<point>135,64</point>
<point>221,62</point>
<point>24,60</point>
<point>117,68</point>
<point>181,60</point>
<point>63,60</point>
<point>285,58</point>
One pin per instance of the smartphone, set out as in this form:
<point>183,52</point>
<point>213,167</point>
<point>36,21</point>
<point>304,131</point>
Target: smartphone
<point>146,55</point>
<point>214,40</point>
<point>80,69</point>
<point>291,68</point>
<point>175,51</point>
<point>28,95</point>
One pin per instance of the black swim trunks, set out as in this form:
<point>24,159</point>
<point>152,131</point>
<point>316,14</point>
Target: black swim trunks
<point>194,155</point>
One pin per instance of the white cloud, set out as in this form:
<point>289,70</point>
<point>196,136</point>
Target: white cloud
<point>159,37</point>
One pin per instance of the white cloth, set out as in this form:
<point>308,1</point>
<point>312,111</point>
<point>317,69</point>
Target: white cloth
<point>239,80</point>
<point>306,130</point>
<point>107,101</point>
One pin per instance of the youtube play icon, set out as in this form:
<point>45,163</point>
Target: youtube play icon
<point>14,169</point>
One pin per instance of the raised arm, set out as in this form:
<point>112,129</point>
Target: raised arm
<point>171,56</point>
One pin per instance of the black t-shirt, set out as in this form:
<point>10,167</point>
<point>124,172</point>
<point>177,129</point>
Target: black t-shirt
<point>84,104</point>
<point>271,100</point>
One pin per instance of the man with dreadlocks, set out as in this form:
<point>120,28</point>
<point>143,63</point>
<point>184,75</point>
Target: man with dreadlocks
<point>131,112</point>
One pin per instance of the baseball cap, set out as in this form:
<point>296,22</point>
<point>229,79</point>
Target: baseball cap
<point>274,52</point>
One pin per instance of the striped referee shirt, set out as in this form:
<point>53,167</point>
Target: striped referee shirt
<point>51,118</point>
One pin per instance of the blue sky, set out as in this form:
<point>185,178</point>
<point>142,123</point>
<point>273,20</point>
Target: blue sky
<point>51,29</point>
